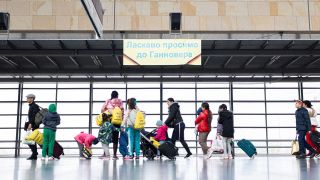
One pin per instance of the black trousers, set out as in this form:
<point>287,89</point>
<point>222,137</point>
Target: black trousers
<point>178,134</point>
<point>33,149</point>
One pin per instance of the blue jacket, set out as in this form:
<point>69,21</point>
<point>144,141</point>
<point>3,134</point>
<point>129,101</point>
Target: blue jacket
<point>303,122</point>
<point>51,121</point>
<point>123,143</point>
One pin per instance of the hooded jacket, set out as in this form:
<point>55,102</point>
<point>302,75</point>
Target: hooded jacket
<point>51,121</point>
<point>226,119</point>
<point>302,120</point>
<point>161,133</point>
<point>204,121</point>
<point>84,138</point>
<point>174,115</point>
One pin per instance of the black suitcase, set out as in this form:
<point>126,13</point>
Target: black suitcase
<point>169,150</point>
<point>57,150</point>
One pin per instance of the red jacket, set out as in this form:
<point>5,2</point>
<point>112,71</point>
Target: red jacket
<point>203,122</point>
<point>84,138</point>
<point>161,133</point>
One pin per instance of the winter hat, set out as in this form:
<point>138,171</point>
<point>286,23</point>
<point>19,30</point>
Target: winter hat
<point>159,123</point>
<point>52,108</point>
<point>95,141</point>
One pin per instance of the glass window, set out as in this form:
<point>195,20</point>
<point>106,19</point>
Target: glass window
<point>178,85</point>
<point>249,120</point>
<point>212,85</point>
<point>250,133</point>
<point>105,94</point>
<point>282,84</point>
<point>39,85</point>
<point>212,94</point>
<point>73,108</point>
<point>281,121</point>
<point>9,95</point>
<point>73,85</point>
<point>75,121</point>
<point>247,85</point>
<point>249,107</point>
<point>41,94</point>
<point>248,94</point>
<point>144,94</point>
<point>311,94</point>
<point>8,108</point>
<point>179,94</point>
<point>149,108</point>
<point>143,85</point>
<point>281,133</point>
<point>281,108</point>
<point>73,95</point>
<point>9,85</point>
<point>282,94</point>
<point>311,84</point>
<point>185,108</point>
<point>8,121</point>
<point>110,85</point>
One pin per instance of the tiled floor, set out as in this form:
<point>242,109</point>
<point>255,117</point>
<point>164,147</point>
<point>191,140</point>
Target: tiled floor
<point>69,168</point>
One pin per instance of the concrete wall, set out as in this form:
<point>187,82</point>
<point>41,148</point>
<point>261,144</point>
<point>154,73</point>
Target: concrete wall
<point>152,15</point>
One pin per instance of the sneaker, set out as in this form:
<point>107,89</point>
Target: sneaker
<point>301,156</point>
<point>102,156</point>
<point>137,157</point>
<point>43,159</point>
<point>82,158</point>
<point>128,158</point>
<point>50,158</point>
<point>115,158</point>
<point>312,155</point>
<point>188,155</point>
<point>32,158</point>
<point>209,154</point>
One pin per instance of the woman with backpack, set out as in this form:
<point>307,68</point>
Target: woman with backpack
<point>133,118</point>
<point>115,107</point>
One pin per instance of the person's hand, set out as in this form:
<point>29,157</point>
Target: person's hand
<point>29,127</point>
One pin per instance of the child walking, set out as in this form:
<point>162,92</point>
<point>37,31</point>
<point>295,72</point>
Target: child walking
<point>50,121</point>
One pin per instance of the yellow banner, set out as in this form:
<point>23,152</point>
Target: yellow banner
<point>161,52</point>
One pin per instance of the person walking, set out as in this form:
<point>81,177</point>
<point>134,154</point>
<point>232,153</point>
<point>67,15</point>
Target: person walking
<point>175,121</point>
<point>226,119</point>
<point>203,123</point>
<point>110,105</point>
<point>50,121</point>
<point>33,110</point>
<point>303,125</point>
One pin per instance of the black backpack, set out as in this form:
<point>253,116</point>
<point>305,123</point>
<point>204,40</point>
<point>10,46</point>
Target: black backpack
<point>315,138</point>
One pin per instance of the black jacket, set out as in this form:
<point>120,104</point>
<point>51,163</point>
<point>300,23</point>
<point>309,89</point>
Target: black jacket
<point>33,110</point>
<point>174,115</point>
<point>303,122</point>
<point>226,119</point>
<point>51,121</point>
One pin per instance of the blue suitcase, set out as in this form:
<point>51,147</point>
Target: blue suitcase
<point>247,147</point>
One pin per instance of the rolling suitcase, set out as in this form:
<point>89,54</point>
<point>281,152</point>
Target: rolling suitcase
<point>247,147</point>
<point>57,150</point>
<point>169,150</point>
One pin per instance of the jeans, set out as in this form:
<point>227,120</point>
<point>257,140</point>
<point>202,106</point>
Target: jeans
<point>49,137</point>
<point>226,145</point>
<point>203,136</point>
<point>303,144</point>
<point>81,146</point>
<point>134,141</point>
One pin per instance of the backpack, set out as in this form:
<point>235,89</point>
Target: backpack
<point>99,120</point>
<point>116,118</point>
<point>40,115</point>
<point>140,121</point>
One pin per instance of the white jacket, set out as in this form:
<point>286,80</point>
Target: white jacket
<point>313,116</point>
<point>130,117</point>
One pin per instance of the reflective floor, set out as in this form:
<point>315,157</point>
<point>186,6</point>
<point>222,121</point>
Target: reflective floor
<point>68,168</point>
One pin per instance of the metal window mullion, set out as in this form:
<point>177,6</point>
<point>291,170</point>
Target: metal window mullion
<point>18,129</point>
<point>161,104</point>
<point>301,90</point>
<point>90,107</point>
<point>266,117</point>
<point>231,96</point>
<point>196,100</point>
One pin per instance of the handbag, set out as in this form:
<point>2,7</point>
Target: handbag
<point>295,147</point>
<point>27,142</point>
<point>217,144</point>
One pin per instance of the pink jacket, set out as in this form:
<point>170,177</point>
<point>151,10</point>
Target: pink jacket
<point>161,133</point>
<point>85,139</point>
<point>110,104</point>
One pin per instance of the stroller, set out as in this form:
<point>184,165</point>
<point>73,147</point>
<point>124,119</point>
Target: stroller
<point>148,150</point>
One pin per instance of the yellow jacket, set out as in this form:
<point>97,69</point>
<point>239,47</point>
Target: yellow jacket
<point>35,136</point>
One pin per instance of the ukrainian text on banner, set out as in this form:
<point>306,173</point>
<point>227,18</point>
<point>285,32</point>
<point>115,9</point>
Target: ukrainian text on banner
<point>161,52</point>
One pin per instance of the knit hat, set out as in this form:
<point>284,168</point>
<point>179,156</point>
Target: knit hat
<point>159,123</point>
<point>95,141</point>
<point>52,108</point>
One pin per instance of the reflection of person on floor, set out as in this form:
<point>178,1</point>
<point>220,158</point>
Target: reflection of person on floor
<point>175,121</point>
<point>303,125</point>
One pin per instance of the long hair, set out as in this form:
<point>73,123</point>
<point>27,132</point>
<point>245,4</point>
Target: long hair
<point>114,94</point>
<point>131,103</point>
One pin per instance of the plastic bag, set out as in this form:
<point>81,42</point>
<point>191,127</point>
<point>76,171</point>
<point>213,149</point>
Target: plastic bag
<point>27,142</point>
<point>217,144</point>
